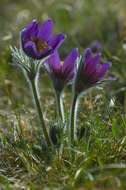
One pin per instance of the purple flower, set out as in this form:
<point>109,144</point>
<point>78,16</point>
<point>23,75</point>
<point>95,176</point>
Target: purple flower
<point>38,41</point>
<point>96,46</point>
<point>62,73</point>
<point>90,71</point>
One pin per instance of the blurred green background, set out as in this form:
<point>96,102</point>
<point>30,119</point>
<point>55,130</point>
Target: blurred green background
<point>83,21</point>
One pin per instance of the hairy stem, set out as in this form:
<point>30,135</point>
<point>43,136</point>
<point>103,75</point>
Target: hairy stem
<point>60,109</point>
<point>39,110</point>
<point>72,121</point>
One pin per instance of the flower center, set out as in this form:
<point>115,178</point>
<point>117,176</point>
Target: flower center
<point>41,45</point>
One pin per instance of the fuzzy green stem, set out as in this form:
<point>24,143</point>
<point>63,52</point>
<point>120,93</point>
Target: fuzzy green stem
<point>60,109</point>
<point>39,110</point>
<point>72,120</point>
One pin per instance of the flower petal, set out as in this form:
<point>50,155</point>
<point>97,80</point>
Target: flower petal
<point>103,70</point>
<point>30,49</point>
<point>54,61</point>
<point>45,30</point>
<point>100,72</point>
<point>92,64</point>
<point>87,53</point>
<point>69,62</point>
<point>44,54</point>
<point>56,41</point>
<point>29,31</point>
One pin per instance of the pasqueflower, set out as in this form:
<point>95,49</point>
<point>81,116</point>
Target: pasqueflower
<point>91,70</point>
<point>38,41</point>
<point>60,72</point>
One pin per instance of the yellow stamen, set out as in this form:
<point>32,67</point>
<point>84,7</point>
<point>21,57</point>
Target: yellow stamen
<point>62,62</point>
<point>40,44</point>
